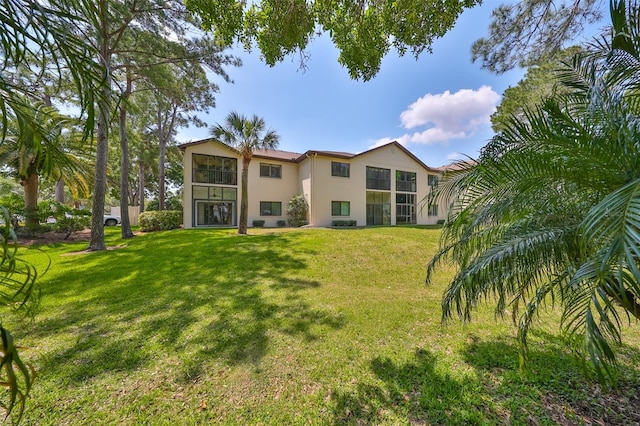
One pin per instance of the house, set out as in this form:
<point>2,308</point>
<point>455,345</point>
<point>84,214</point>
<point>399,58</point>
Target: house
<point>382,186</point>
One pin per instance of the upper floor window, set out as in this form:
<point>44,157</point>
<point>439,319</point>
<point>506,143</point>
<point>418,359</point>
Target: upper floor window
<point>378,178</point>
<point>270,170</point>
<point>405,181</point>
<point>340,169</point>
<point>214,169</point>
<point>432,180</point>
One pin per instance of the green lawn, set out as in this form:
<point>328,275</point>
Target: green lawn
<point>313,326</point>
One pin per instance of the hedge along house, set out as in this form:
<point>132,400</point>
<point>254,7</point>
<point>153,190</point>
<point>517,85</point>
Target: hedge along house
<point>382,186</point>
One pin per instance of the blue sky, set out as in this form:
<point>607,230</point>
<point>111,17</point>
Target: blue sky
<point>437,106</point>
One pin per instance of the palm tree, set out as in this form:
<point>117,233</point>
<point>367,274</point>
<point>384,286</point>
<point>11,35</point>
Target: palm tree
<point>29,156</point>
<point>550,213</point>
<point>48,31</point>
<point>245,135</point>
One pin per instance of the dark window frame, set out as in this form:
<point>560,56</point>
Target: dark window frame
<point>406,181</point>
<point>406,208</point>
<point>218,170</point>
<point>340,169</point>
<point>339,205</point>
<point>271,167</point>
<point>378,178</point>
<point>270,208</point>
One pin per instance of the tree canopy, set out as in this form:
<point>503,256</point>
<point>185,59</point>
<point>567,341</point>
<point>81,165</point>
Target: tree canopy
<point>530,32</point>
<point>363,32</point>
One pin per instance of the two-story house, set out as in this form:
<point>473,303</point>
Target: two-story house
<point>386,185</point>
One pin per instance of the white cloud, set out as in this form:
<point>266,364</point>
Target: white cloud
<point>448,116</point>
<point>464,110</point>
<point>454,156</point>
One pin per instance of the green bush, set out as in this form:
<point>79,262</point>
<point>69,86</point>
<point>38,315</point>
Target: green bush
<point>297,210</point>
<point>14,203</point>
<point>281,223</point>
<point>440,222</point>
<point>171,202</point>
<point>71,224</point>
<point>160,220</point>
<point>258,223</point>
<point>344,223</point>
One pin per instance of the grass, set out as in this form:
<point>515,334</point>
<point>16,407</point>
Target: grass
<point>282,326</point>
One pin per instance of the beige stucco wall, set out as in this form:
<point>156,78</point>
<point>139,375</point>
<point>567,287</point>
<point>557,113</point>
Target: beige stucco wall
<point>327,188</point>
<point>271,189</point>
<point>207,149</point>
<point>312,177</point>
<point>260,188</point>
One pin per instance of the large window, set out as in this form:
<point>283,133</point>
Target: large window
<point>214,205</point>
<point>405,181</point>
<point>340,208</point>
<point>340,169</point>
<point>213,169</point>
<point>433,210</point>
<point>432,180</point>
<point>378,178</point>
<point>270,208</point>
<point>378,208</point>
<point>405,208</point>
<point>270,170</point>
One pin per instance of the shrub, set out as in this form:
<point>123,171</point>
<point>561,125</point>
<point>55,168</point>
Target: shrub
<point>440,222</point>
<point>343,223</point>
<point>14,203</point>
<point>281,223</point>
<point>297,210</point>
<point>160,220</point>
<point>171,202</point>
<point>71,224</point>
<point>258,223</point>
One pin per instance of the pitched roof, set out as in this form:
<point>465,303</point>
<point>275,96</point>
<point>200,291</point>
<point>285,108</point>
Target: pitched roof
<point>403,149</point>
<point>457,165</point>
<point>276,154</point>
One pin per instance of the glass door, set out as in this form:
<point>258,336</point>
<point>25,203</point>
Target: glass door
<point>215,213</point>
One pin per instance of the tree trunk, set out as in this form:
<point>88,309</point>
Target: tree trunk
<point>141,189</point>
<point>30,186</point>
<point>96,241</point>
<point>244,200</point>
<point>60,191</point>
<point>165,130</point>
<point>161,173</point>
<point>124,166</point>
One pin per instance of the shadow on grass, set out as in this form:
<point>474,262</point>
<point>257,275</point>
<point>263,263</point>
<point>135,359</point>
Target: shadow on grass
<point>203,296</point>
<point>552,390</point>
<point>552,386</point>
<point>415,391</point>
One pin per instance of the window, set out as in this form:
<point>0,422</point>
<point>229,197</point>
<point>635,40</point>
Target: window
<point>340,208</point>
<point>433,210</point>
<point>340,169</point>
<point>213,169</point>
<point>270,208</point>
<point>378,208</point>
<point>405,181</point>
<point>405,208</point>
<point>214,205</point>
<point>378,178</point>
<point>270,170</point>
<point>214,193</point>
<point>432,180</point>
